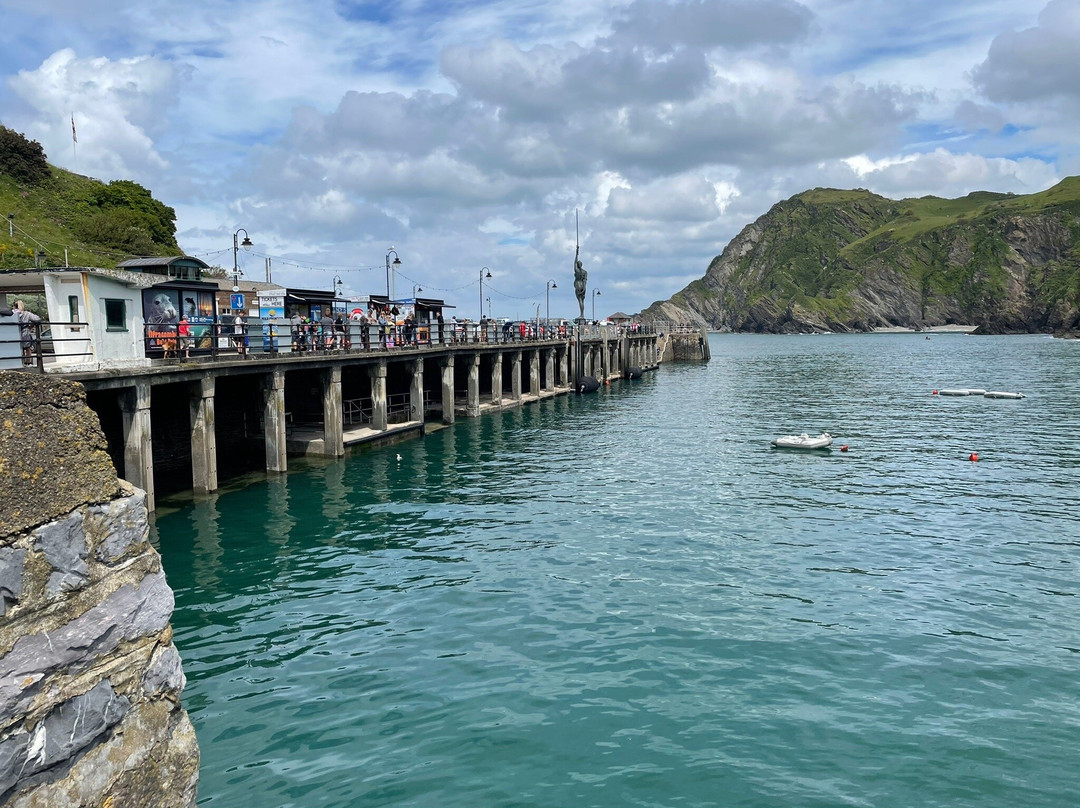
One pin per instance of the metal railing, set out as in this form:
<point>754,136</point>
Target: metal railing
<point>34,345</point>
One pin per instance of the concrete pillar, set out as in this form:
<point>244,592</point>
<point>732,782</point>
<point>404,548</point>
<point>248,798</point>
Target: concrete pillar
<point>138,449</point>
<point>448,390</point>
<point>274,421</point>
<point>515,379</point>
<point>549,369</point>
<point>379,415</point>
<point>564,366</point>
<point>496,378</point>
<point>472,395</point>
<point>416,391</point>
<point>333,428</point>
<point>204,476</point>
<point>534,372</point>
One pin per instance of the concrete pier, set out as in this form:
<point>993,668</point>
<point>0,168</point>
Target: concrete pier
<point>250,413</point>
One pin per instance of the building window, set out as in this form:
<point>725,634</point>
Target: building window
<point>73,308</point>
<point>115,315</point>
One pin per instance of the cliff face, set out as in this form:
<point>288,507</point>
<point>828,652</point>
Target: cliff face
<point>829,260</point>
<point>90,681</point>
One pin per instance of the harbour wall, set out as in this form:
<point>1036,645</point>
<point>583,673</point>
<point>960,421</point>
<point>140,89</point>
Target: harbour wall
<point>90,680</point>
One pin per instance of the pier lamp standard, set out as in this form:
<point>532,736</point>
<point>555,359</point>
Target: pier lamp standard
<point>484,273</point>
<point>337,286</point>
<point>416,288</point>
<point>595,293</point>
<point>246,244</point>
<point>397,263</point>
<point>538,321</point>
<point>547,293</point>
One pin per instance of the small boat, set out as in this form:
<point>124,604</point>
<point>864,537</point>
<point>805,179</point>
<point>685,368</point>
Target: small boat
<point>962,391</point>
<point>803,441</point>
<point>1002,394</point>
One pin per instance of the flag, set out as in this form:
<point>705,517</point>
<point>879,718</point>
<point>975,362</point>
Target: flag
<point>74,137</point>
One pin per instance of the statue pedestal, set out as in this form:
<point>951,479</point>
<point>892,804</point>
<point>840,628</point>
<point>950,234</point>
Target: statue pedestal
<point>579,356</point>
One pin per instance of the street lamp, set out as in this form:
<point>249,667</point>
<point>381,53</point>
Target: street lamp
<point>246,244</point>
<point>337,286</point>
<point>483,270</point>
<point>397,263</point>
<point>538,321</point>
<point>595,292</point>
<point>416,288</point>
<point>547,292</point>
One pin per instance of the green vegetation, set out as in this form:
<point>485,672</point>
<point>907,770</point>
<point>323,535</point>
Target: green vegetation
<point>98,224</point>
<point>853,259</point>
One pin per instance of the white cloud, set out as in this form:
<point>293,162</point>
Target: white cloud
<point>117,106</point>
<point>469,135</point>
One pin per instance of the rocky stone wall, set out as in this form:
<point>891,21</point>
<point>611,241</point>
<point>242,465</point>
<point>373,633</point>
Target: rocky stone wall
<point>90,680</point>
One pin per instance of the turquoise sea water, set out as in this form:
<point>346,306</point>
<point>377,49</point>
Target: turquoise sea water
<point>629,599</point>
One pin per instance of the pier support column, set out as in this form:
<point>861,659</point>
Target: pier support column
<point>448,390</point>
<point>496,378</point>
<point>564,366</point>
<point>204,477</point>
<point>534,372</point>
<point>549,367</point>
<point>472,396</point>
<point>515,378</point>
<point>416,392</point>
<point>333,428</point>
<point>274,421</point>
<point>138,449</point>
<point>379,417</point>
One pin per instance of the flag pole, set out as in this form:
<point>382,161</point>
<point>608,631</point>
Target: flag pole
<point>74,140</point>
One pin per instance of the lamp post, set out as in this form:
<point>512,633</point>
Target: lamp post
<point>483,270</point>
<point>246,244</point>
<point>538,321</point>
<point>547,292</point>
<point>595,292</point>
<point>416,288</point>
<point>397,263</point>
<point>337,286</point>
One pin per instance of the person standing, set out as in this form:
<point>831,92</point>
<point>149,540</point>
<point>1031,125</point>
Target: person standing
<point>327,325</point>
<point>239,331</point>
<point>183,331</point>
<point>29,333</point>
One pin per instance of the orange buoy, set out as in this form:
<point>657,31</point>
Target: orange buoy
<point>843,448</point>
<point>973,457</point>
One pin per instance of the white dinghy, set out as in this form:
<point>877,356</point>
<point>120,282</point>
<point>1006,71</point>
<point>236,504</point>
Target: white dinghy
<point>1001,394</point>
<point>803,441</point>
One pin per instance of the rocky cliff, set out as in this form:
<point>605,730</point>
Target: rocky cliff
<point>829,260</point>
<point>90,680</point>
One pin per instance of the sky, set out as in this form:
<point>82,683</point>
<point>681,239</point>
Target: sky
<point>474,137</point>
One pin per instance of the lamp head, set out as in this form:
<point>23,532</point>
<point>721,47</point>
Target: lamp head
<point>246,243</point>
<point>397,261</point>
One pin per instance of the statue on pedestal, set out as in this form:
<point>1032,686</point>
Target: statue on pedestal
<point>580,277</point>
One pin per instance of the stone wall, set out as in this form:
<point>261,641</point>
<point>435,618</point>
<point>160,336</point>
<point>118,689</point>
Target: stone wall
<point>90,680</point>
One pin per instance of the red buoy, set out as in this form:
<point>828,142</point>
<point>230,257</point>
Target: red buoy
<point>935,393</point>
<point>843,448</point>
<point>973,457</point>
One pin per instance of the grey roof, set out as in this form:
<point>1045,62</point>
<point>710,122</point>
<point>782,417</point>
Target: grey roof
<point>160,261</point>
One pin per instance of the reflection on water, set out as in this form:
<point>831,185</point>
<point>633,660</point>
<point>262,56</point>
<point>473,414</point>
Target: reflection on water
<point>631,599</point>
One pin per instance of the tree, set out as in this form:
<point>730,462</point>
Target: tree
<point>22,159</point>
<point>139,209</point>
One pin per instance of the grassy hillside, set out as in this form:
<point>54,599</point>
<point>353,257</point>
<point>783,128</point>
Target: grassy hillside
<point>99,224</point>
<point>850,259</point>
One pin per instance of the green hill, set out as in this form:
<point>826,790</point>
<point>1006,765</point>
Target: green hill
<point>96,223</point>
<point>842,260</point>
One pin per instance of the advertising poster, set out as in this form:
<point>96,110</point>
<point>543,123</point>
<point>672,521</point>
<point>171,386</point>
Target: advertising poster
<point>161,309</point>
<point>271,307</point>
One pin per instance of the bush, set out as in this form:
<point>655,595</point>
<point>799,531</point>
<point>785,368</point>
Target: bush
<point>22,159</point>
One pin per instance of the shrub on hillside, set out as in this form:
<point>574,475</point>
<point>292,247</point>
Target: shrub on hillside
<point>22,159</point>
<point>136,207</point>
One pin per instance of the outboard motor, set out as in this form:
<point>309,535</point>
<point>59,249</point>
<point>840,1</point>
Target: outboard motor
<point>586,384</point>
